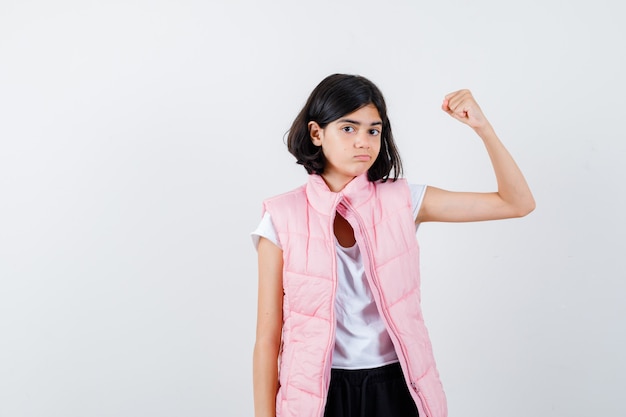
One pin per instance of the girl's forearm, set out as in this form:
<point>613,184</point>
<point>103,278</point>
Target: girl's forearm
<point>512,186</point>
<point>265,379</point>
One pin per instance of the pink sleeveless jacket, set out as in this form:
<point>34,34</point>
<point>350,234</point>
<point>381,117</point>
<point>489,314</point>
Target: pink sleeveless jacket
<point>384,228</point>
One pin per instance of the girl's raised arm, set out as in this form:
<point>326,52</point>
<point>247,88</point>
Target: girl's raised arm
<point>513,198</point>
<point>269,328</point>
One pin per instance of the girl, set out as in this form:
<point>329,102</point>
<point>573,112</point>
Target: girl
<point>339,327</point>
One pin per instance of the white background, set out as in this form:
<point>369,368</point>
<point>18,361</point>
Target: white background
<point>138,139</point>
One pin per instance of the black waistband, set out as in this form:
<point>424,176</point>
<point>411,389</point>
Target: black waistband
<point>384,373</point>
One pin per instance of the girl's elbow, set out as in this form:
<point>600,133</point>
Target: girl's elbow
<point>526,208</point>
<point>268,341</point>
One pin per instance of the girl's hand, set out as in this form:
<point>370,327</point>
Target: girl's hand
<point>462,106</point>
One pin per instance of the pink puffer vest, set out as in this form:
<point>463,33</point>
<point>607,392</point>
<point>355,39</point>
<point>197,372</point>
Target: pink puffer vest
<point>384,228</point>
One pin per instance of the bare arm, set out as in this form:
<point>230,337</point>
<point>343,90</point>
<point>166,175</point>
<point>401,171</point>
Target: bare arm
<point>269,329</point>
<point>513,198</point>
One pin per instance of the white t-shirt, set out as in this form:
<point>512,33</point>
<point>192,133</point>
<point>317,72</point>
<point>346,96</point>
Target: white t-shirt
<point>361,339</point>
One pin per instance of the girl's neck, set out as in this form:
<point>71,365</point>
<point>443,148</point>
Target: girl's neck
<point>335,183</point>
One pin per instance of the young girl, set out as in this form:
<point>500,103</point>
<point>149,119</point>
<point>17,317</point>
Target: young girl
<point>339,327</point>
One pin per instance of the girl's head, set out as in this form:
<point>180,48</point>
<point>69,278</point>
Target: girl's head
<point>335,97</point>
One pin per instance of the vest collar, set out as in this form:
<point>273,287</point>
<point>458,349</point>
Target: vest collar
<point>356,193</point>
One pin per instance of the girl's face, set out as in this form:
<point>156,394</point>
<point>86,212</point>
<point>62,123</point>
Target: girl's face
<point>350,144</point>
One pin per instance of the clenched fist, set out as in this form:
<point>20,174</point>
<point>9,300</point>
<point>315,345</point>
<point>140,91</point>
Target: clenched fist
<point>462,106</point>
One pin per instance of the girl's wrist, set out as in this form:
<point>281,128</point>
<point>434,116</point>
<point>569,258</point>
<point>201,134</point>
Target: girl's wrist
<point>485,131</point>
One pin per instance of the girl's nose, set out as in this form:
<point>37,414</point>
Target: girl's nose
<point>361,141</point>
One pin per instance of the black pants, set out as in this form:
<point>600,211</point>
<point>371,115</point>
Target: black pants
<point>377,392</point>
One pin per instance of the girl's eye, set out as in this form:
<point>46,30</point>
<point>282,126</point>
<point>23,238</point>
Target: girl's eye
<point>374,132</point>
<point>348,129</point>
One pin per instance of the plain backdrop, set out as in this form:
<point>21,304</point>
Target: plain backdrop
<point>139,138</point>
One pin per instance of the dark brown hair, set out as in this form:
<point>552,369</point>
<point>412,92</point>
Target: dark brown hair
<point>333,98</point>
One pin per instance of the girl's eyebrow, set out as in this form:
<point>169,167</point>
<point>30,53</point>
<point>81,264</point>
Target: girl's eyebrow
<point>354,122</point>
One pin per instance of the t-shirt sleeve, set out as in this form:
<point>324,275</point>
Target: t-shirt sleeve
<point>265,229</point>
<point>417,197</point>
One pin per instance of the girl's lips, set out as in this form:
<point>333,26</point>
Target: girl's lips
<point>362,157</point>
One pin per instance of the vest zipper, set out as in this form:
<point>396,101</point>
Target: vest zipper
<point>421,397</point>
<point>333,324</point>
<point>372,278</point>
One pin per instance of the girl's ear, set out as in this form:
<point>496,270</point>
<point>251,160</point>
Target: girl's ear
<point>316,133</point>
